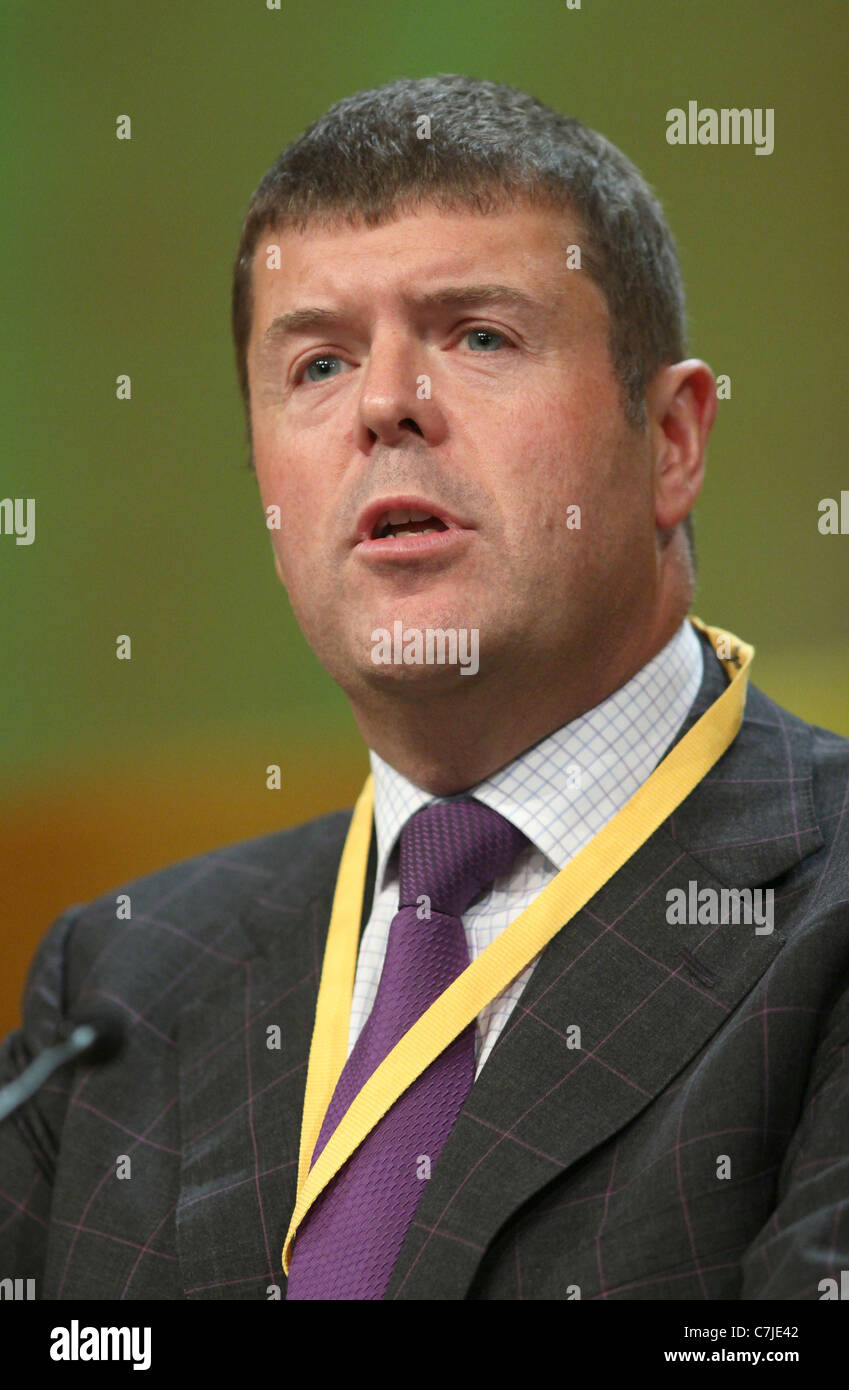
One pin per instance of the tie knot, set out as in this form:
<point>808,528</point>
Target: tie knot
<point>451,850</point>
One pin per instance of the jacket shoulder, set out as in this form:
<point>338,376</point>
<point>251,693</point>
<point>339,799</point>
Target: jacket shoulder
<point>191,903</point>
<point>813,752</point>
<point>230,869</point>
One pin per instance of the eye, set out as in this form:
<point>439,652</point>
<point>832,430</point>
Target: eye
<point>484,339</point>
<point>321,368</point>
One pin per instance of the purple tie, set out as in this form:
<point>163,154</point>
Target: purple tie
<point>348,1242</point>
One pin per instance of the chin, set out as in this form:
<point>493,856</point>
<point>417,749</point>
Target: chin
<point>415,679</point>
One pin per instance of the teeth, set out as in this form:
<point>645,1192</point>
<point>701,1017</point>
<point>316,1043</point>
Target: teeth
<point>403,518</point>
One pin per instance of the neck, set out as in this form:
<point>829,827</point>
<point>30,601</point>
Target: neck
<point>448,739</point>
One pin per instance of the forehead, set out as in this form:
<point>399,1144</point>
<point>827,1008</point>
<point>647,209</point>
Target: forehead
<point>523,246</point>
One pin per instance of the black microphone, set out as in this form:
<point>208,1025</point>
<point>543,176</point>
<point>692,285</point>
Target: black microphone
<point>97,1036</point>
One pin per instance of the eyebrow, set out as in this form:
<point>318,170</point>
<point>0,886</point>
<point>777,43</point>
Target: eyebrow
<point>316,320</point>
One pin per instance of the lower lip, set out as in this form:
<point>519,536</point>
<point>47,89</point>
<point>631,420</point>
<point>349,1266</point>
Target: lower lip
<point>417,545</point>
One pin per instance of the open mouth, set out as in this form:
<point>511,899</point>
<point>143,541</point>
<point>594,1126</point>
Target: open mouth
<point>403,522</point>
<point>409,528</point>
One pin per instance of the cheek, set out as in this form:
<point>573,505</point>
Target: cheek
<point>286,552</point>
<point>283,513</point>
<point>284,478</point>
<point>567,459</point>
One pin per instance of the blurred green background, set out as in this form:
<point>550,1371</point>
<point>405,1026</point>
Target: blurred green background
<point>117,259</point>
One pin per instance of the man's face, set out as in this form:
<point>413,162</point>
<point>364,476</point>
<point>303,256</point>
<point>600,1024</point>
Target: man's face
<point>420,386</point>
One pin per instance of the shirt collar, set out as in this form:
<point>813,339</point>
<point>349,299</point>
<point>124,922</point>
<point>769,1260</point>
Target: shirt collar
<point>561,791</point>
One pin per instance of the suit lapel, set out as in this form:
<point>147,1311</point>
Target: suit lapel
<point>645,994</point>
<point>243,1050</point>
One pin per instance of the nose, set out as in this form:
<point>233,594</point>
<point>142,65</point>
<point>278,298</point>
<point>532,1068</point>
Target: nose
<point>396,396</point>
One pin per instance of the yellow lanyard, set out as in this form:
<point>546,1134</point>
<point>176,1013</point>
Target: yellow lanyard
<point>506,957</point>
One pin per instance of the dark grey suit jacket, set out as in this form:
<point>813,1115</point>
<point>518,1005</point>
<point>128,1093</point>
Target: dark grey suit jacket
<point>695,1145</point>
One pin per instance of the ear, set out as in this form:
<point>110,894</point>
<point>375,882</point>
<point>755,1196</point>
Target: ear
<point>681,407</point>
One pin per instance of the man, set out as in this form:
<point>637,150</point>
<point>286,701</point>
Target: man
<point>565,1016</point>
